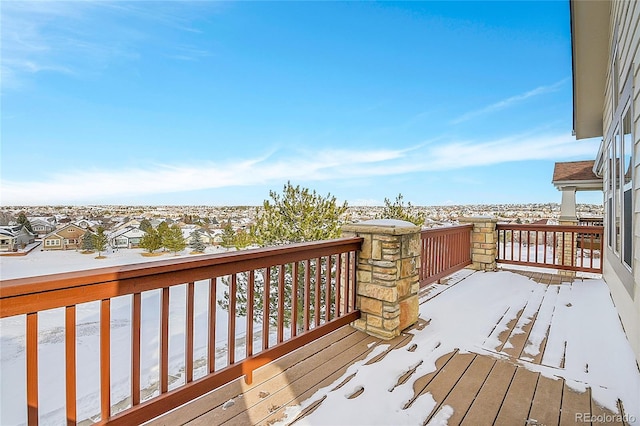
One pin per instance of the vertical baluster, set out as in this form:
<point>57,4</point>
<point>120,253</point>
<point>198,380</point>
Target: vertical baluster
<point>427,259</point>
<point>327,316</point>
<point>512,243</point>
<point>105,359</point>
<point>420,277</point>
<point>307,296</point>
<point>317,307</point>
<point>250,295</point>
<point>294,300</point>
<point>591,245</point>
<point>281,303</point>
<point>467,245</point>
<point>347,272</point>
<point>190,325</point>
<point>353,279</point>
<point>231,333</point>
<point>213,308</point>
<point>338,283</point>
<point>32,368</point>
<point>573,247</point>
<point>434,257</point>
<point>135,349</point>
<point>164,340</point>
<point>265,308</point>
<point>437,257</point>
<point>70,367</point>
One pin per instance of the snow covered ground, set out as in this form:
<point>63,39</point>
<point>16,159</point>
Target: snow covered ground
<point>50,262</point>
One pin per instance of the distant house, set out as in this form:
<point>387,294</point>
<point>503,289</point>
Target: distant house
<point>67,237</point>
<point>126,238</point>
<point>42,226</point>
<point>15,237</point>
<point>127,224</point>
<point>87,224</point>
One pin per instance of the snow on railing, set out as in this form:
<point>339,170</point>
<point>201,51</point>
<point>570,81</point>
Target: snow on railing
<point>132,316</point>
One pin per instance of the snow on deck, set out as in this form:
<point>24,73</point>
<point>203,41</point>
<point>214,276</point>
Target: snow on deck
<point>569,331</point>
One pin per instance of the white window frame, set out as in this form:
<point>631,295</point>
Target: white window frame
<point>615,174</point>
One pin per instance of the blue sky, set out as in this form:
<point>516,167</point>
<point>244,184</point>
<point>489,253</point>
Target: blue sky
<point>216,103</point>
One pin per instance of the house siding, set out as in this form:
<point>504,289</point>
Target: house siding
<point>625,33</point>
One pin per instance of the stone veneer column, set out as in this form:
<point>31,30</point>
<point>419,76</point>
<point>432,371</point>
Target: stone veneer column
<point>387,275</point>
<point>568,255</point>
<point>484,238</point>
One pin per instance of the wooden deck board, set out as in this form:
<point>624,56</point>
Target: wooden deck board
<point>446,378</point>
<point>572,403</point>
<point>287,385</point>
<point>517,402</point>
<point>231,390</point>
<point>487,403</point>
<point>423,381</point>
<point>330,379</point>
<point>465,391</point>
<point>545,407</point>
<point>605,417</point>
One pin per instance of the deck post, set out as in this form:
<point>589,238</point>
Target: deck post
<point>484,239</point>
<point>387,282</point>
<point>567,248</point>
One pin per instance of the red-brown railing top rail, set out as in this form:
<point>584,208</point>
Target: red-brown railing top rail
<point>445,229</point>
<point>24,295</point>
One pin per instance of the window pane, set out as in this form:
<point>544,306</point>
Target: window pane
<point>617,171</point>
<point>627,169</point>
<point>628,147</point>
<point>611,231</point>
<point>628,231</point>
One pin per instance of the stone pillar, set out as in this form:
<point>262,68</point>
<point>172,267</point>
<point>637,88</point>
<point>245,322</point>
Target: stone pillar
<point>568,255</point>
<point>484,239</point>
<point>387,275</point>
<point>568,216</point>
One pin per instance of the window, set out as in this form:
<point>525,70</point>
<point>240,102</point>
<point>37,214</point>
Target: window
<point>619,176</point>
<point>626,171</point>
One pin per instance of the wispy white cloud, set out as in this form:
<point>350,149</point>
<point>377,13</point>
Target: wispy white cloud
<point>96,185</point>
<point>509,102</point>
<point>84,37</point>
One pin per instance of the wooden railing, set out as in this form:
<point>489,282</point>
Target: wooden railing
<point>444,251</point>
<point>591,221</point>
<point>573,248</point>
<point>318,279</point>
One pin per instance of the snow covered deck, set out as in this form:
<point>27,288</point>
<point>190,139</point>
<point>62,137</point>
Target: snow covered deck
<point>490,348</point>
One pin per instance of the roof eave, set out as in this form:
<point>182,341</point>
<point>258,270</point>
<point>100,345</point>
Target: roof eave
<point>580,185</point>
<point>589,47</point>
